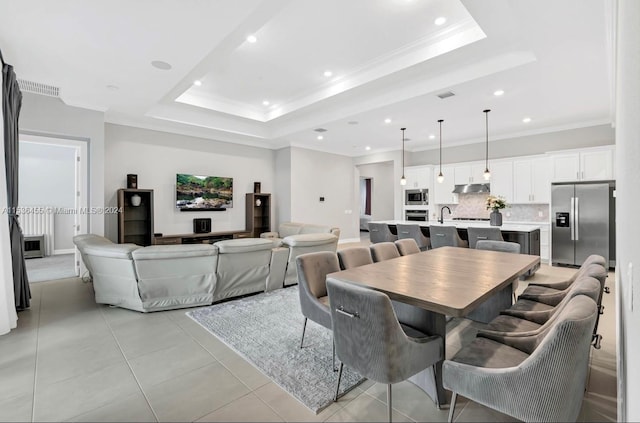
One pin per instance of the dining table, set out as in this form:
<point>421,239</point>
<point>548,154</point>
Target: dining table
<point>427,287</point>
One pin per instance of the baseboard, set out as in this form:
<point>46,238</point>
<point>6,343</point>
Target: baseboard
<point>66,251</point>
<point>344,241</point>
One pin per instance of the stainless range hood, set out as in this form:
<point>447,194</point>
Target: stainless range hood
<point>471,188</point>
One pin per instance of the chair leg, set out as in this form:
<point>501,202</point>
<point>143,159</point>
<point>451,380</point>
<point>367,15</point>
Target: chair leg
<point>335,398</point>
<point>389,401</point>
<point>452,407</point>
<point>304,327</point>
<point>333,364</point>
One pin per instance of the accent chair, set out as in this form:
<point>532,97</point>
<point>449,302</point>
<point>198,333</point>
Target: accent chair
<point>354,257</point>
<point>407,246</point>
<point>445,236</point>
<point>478,234</point>
<point>380,232</point>
<point>413,231</point>
<point>383,251</point>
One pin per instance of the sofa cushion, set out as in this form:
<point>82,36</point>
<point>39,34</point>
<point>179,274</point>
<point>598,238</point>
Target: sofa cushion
<point>314,229</point>
<point>174,251</point>
<point>244,245</point>
<point>120,251</point>
<point>289,228</point>
<point>309,240</point>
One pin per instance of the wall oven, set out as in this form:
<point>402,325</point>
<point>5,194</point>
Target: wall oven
<point>416,197</point>
<point>417,215</point>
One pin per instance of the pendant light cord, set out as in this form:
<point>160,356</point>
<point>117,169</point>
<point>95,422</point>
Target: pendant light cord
<point>402,129</point>
<point>440,122</point>
<point>486,125</point>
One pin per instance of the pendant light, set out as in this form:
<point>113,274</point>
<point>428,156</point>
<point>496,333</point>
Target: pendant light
<point>440,177</point>
<point>487,173</point>
<point>403,180</point>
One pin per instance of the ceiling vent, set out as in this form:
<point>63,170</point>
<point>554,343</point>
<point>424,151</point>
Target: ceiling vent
<point>320,130</point>
<point>446,94</point>
<point>38,88</point>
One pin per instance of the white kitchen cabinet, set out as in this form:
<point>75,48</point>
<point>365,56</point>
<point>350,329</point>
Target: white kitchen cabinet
<point>443,192</point>
<point>544,243</point>
<point>531,181</point>
<point>418,177</point>
<point>501,181</point>
<point>469,173</point>
<point>584,165</point>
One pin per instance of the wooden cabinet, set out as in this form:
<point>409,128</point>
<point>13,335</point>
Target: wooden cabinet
<point>531,181</point>
<point>586,165</point>
<point>501,182</point>
<point>258,214</point>
<point>443,192</point>
<point>418,177</point>
<point>135,217</point>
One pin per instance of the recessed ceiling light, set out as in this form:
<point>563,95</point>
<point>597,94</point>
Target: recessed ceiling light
<point>320,137</point>
<point>353,122</point>
<point>526,120</point>
<point>197,83</point>
<point>440,21</point>
<point>265,103</point>
<point>498,93</point>
<point>159,64</point>
<point>367,148</point>
<point>432,137</point>
<point>387,120</point>
<point>252,39</point>
<point>113,87</point>
<point>328,73</point>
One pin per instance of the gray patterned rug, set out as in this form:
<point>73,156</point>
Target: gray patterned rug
<point>265,329</point>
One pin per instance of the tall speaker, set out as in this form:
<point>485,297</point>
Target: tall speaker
<point>202,226</point>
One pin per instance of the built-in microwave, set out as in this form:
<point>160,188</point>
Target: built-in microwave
<point>416,197</point>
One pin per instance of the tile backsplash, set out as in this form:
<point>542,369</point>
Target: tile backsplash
<point>473,205</point>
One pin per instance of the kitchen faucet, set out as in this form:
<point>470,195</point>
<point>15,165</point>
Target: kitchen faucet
<point>441,220</point>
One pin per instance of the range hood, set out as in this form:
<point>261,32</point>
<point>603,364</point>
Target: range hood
<point>470,188</point>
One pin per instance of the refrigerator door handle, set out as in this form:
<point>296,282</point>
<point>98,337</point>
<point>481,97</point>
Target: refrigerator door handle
<point>571,218</point>
<point>576,218</point>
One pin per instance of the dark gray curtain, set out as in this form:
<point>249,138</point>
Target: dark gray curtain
<point>11,103</point>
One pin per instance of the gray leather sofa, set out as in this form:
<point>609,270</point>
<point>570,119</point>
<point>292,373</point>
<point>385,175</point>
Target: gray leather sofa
<point>164,277</point>
<point>302,238</point>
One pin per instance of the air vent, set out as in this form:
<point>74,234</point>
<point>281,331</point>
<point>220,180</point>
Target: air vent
<point>38,88</point>
<point>446,94</point>
<point>320,130</point>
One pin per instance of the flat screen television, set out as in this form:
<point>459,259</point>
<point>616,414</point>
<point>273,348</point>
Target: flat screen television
<point>203,193</point>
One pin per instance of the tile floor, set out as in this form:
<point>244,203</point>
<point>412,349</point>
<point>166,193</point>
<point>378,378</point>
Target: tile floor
<point>73,360</point>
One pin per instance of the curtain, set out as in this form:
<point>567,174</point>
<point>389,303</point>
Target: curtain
<point>11,103</point>
<point>8,316</point>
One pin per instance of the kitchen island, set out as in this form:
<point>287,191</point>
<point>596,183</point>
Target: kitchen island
<point>528,236</point>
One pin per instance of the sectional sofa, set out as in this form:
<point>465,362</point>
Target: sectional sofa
<point>163,277</point>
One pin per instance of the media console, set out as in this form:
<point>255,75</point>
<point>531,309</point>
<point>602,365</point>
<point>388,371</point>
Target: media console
<point>193,238</point>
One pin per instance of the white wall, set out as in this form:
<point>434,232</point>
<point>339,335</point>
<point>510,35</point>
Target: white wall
<point>315,174</point>
<point>156,157</point>
<point>47,178</point>
<point>382,186</point>
<point>523,146</point>
<point>627,206</point>
<point>48,116</point>
<point>282,196</point>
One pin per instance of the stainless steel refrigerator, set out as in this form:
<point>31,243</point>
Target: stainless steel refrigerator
<point>582,224</point>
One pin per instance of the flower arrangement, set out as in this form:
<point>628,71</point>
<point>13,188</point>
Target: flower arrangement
<point>496,203</point>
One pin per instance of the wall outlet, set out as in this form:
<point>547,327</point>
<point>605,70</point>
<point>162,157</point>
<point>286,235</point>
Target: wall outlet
<point>508,214</point>
<point>540,214</point>
<point>348,211</point>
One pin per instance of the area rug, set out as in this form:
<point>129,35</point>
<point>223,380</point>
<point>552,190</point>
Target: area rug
<point>265,329</point>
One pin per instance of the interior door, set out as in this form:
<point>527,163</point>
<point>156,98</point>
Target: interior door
<point>592,218</point>
<point>562,243</point>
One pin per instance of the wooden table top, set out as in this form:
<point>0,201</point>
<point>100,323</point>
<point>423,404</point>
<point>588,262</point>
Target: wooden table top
<point>447,280</point>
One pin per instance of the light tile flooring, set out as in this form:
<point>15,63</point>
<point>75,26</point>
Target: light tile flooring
<point>71,359</point>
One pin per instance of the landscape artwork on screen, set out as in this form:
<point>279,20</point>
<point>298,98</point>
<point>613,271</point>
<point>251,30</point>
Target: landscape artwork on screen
<point>194,192</point>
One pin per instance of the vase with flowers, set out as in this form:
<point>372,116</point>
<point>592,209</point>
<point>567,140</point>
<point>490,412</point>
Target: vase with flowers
<point>495,204</point>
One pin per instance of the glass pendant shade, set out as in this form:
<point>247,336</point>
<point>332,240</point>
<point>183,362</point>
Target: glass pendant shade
<point>403,180</point>
<point>440,178</point>
<point>486,175</point>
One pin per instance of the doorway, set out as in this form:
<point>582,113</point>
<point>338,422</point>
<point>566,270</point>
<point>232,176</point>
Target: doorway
<point>52,203</point>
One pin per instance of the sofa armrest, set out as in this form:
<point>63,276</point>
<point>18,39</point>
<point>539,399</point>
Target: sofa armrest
<point>335,231</point>
<point>269,235</point>
<point>277,268</point>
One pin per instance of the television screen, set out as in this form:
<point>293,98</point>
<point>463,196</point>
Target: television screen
<point>201,193</point>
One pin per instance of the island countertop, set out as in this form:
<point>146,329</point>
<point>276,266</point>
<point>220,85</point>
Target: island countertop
<point>464,224</point>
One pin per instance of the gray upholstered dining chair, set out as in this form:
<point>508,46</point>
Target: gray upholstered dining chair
<point>312,273</point>
<point>532,378</point>
<point>370,340</point>
<point>477,234</point>
<point>384,251</point>
<point>413,231</point>
<point>407,246</point>
<point>501,246</point>
<point>380,232</point>
<point>354,256</point>
<point>445,236</point>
